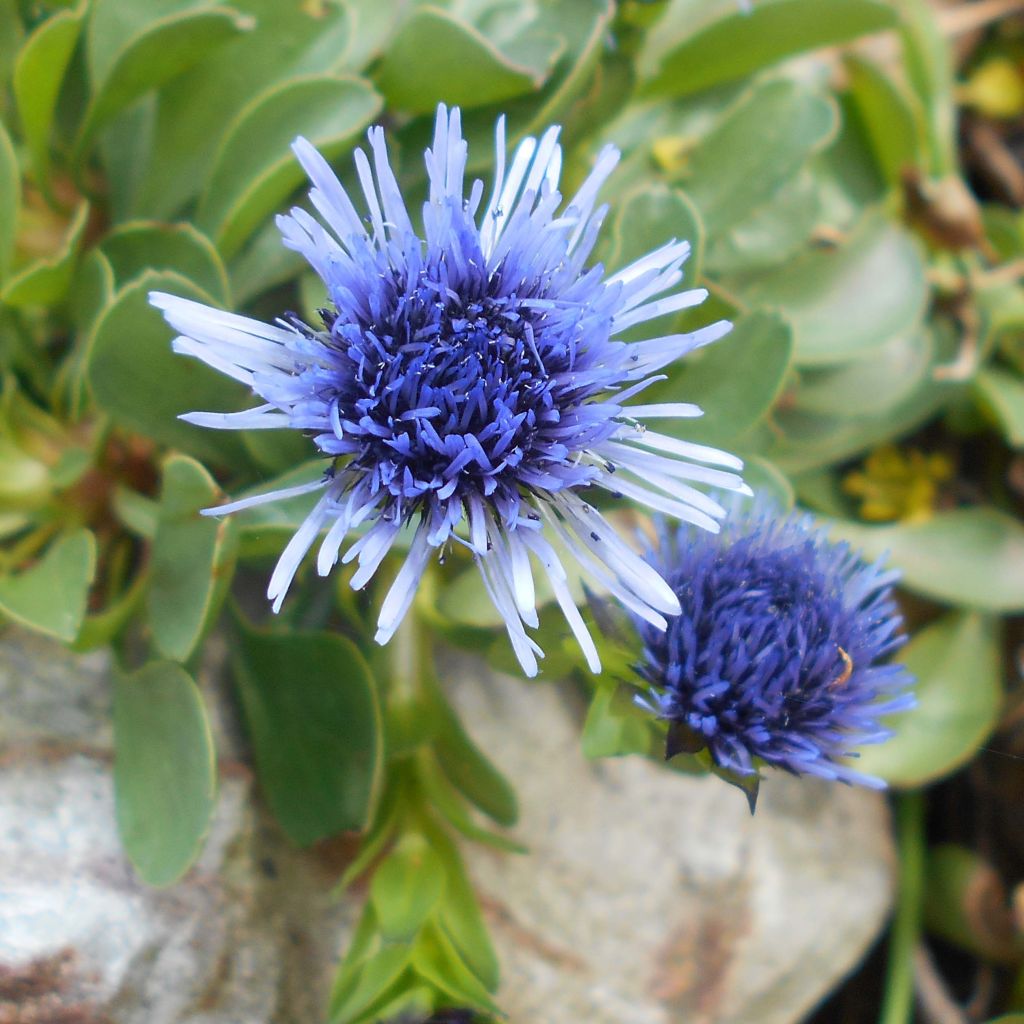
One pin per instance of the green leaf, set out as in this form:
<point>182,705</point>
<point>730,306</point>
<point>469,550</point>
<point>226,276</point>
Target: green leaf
<point>45,282</point>
<point>735,380</point>
<point>406,888</point>
<point>161,49</point>
<point>148,245</point>
<point>311,710</point>
<point>51,595</point>
<point>467,767</point>
<point>165,777</point>
<point>965,903</point>
<point>289,39</point>
<point>614,726</point>
<point>437,960</point>
<point>773,233</point>
<point>460,915</point>
<point>766,480</point>
<point>10,201</point>
<point>824,294</point>
<point>255,171</point>
<point>649,216</point>
<point>141,384</point>
<point>1002,392</point>
<point>38,74</point>
<point>889,121</point>
<point>374,979</point>
<point>435,57</point>
<point>754,150</point>
<point>869,386</point>
<point>736,46</point>
<point>11,35</point>
<point>972,557</point>
<point>959,694</point>
<point>192,558</point>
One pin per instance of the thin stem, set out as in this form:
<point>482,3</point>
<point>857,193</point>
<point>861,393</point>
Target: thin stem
<point>898,999</point>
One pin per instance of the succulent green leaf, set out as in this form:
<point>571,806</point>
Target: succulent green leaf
<point>754,150</point>
<point>289,39</point>
<point>162,49</point>
<point>10,201</point>
<point>12,33</point>
<point>374,979</point>
<point>141,384</point>
<point>740,44</point>
<point>165,777</point>
<point>406,888</point>
<point>255,171</point>
<point>464,67</point>
<point>614,726</point>
<point>959,694</point>
<point>38,74</point>
<point>735,380</point>
<point>846,303</point>
<point>869,386</point>
<point>192,559</point>
<point>649,216</point>
<point>891,123</point>
<point>137,246</point>
<point>972,557</point>
<point>437,960</point>
<point>1002,392</point>
<point>51,595</point>
<point>46,281</point>
<point>467,767</point>
<point>311,710</point>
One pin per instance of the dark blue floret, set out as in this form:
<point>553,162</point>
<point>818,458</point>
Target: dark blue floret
<point>778,657</point>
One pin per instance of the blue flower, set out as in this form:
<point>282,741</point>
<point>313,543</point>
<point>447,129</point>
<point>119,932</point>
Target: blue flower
<point>779,654</point>
<point>468,381</point>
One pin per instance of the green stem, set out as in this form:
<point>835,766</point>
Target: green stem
<point>898,999</point>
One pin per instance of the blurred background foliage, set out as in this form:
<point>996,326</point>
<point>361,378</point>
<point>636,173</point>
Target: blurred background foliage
<point>850,174</point>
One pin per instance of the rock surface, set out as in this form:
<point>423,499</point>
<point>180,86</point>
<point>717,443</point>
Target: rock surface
<point>648,897</point>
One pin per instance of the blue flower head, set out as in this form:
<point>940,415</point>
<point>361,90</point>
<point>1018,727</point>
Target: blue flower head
<point>779,654</point>
<point>468,381</point>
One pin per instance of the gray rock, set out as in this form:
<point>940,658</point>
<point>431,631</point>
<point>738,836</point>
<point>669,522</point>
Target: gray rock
<point>648,897</point>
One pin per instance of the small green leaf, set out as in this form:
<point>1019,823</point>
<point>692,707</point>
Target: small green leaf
<point>289,39</point>
<point>869,386</point>
<point>890,122</point>
<point>468,768</point>
<point>1002,392</point>
<point>735,380</point>
<point>649,216</point>
<point>375,977</point>
<point>463,67</point>
<point>311,710</point>
<point>162,49</point>
<point>823,294</point>
<point>460,915</point>
<point>972,557</point>
<point>754,150</point>
<point>254,170</point>
<point>736,46</point>
<point>406,888</point>
<point>142,384</point>
<point>615,726</point>
<point>148,245</point>
<point>192,558</point>
<point>51,595</point>
<point>436,959</point>
<point>165,777</point>
<point>38,74</point>
<point>45,282</point>
<point>10,201</point>
<point>959,694</point>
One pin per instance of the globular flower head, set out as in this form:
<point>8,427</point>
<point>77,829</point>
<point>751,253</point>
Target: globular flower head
<point>779,654</point>
<point>468,381</point>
